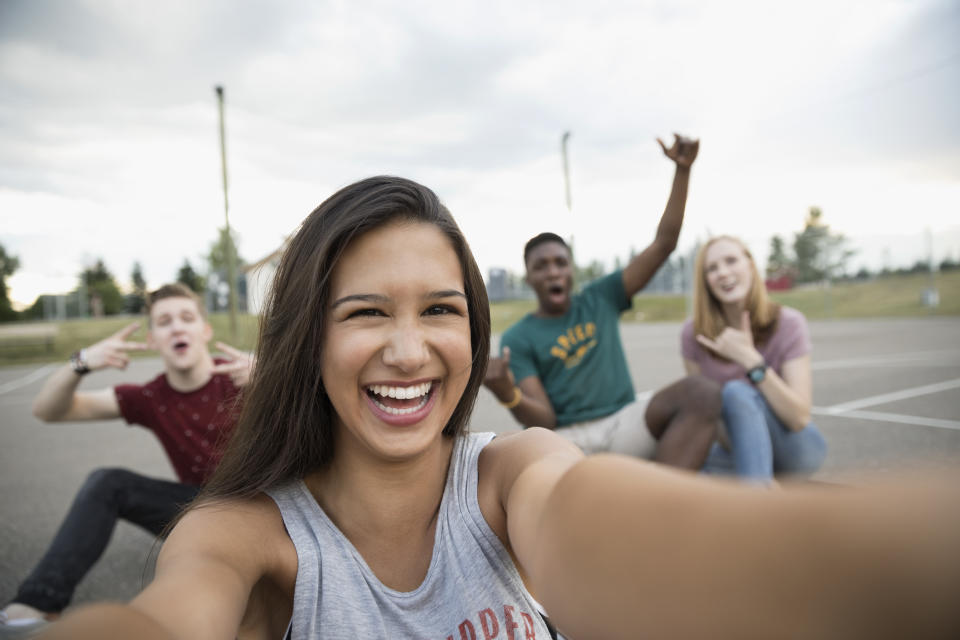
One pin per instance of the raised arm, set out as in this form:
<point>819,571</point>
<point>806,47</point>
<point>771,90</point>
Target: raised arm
<point>644,265</point>
<point>59,400</point>
<point>619,548</point>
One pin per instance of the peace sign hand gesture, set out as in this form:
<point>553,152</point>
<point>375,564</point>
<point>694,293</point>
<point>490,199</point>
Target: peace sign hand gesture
<point>684,150</point>
<point>735,343</point>
<point>112,351</point>
<point>239,366</point>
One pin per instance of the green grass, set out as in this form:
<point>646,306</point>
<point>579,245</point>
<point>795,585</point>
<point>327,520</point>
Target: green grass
<point>894,296</point>
<point>883,297</point>
<point>71,335</point>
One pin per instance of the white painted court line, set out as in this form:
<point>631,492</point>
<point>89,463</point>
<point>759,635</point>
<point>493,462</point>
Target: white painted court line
<point>884,360</point>
<point>27,379</point>
<point>891,397</point>
<point>882,416</point>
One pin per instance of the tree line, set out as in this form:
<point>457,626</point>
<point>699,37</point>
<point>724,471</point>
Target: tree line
<point>98,293</point>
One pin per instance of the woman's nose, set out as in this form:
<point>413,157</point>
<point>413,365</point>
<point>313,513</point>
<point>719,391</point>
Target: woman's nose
<point>406,349</point>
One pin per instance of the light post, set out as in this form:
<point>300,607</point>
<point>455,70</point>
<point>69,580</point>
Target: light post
<point>231,254</point>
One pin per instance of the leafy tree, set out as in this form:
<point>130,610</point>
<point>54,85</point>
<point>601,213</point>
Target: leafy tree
<point>820,253</point>
<point>863,274</point>
<point>584,275</point>
<point>778,263</point>
<point>220,249</point>
<point>135,301</point>
<point>100,285</point>
<point>8,265</point>
<point>191,278</point>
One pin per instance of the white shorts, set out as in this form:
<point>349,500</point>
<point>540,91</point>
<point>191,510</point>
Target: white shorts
<point>623,432</point>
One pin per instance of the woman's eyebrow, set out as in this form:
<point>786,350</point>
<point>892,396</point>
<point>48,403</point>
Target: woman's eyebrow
<point>446,293</point>
<point>380,299</point>
<point>360,297</point>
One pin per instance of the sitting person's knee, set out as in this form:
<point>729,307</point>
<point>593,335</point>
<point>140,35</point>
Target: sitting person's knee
<point>703,396</point>
<point>738,391</point>
<point>105,481</point>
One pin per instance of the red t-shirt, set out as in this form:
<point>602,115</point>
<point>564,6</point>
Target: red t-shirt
<point>192,426</point>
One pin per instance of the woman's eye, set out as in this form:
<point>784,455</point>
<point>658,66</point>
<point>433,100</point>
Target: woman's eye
<point>440,310</point>
<point>360,313</point>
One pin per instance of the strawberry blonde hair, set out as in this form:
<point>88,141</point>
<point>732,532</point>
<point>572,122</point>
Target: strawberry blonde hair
<point>708,318</point>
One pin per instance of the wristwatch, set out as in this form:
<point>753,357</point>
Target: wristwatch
<point>757,374</point>
<point>79,363</point>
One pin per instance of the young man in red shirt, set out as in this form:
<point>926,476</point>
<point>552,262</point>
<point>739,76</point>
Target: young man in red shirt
<point>191,407</point>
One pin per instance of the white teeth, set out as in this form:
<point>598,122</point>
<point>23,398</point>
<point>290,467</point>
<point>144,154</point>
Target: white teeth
<point>401,393</point>
<point>401,412</point>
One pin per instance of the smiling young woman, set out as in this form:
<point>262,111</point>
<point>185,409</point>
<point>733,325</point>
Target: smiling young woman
<point>353,502</point>
<point>760,352</point>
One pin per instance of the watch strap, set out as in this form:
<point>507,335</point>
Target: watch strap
<point>757,374</point>
<point>79,363</point>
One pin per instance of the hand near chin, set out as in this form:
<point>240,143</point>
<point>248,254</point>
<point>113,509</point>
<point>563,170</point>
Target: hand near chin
<point>735,344</point>
<point>239,365</point>
<point>499,379</point>
<point>112,351</point>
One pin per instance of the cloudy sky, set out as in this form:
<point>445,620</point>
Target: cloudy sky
<point>109,143</point>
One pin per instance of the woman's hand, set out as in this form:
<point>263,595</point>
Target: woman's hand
<point>735,344</point>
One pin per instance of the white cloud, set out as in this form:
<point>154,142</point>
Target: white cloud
<point>111,149</point>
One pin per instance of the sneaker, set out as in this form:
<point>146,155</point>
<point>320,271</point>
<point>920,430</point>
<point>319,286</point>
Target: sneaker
<point>28,622</point>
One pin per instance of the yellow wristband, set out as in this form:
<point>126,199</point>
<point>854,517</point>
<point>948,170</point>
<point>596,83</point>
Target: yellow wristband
<point>517,397</point>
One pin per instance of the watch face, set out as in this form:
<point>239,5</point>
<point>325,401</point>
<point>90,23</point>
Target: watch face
<point>757,374</point>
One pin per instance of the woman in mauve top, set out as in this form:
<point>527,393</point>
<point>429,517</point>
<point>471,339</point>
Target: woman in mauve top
<point>760,352</point>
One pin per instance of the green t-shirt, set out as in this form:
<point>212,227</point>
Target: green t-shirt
<point>578,356</point>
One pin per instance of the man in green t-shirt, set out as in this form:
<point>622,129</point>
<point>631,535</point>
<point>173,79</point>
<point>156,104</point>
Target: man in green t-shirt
<point>563,366</point>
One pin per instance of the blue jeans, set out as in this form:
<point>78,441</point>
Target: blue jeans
<point>761,444</point>
<point>107,494</point>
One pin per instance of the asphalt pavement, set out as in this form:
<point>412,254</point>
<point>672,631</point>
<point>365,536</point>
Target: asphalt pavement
<point>886,396</point>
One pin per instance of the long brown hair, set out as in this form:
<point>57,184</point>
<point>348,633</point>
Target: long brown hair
<point>285,429</point>
<point>708,318</point>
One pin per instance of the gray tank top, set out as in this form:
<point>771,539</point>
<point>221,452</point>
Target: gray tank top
<point>472,589</point>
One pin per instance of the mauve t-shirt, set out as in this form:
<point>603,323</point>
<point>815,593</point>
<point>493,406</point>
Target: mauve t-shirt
<point>791,340</point>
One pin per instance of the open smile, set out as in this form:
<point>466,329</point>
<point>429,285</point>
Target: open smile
<point>401,404</point>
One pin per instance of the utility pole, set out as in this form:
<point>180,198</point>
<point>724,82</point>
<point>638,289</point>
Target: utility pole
<point>231,252</point>
<point>566,181</point>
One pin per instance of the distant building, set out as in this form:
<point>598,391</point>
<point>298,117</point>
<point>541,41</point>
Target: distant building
<point>504,285</point>
<point>259,279</point>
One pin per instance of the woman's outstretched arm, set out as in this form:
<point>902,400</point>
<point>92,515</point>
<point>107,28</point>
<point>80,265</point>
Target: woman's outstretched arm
<point>618,548</point>
<point>205,574</point>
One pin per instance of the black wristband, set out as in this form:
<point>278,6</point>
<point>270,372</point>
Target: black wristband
<point>78,363</point>
<point>757,374</point>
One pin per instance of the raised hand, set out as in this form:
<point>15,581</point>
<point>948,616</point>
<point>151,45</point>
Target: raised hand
<point>112,351</point>
<point>499,379</point>
<point>735,344</point>
<point>239,365</point>
<point>684,150</point>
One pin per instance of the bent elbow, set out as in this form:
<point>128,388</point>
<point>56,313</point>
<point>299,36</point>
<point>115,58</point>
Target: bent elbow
<point>801,420</point>
<point>44,413</point>
<point>40,413</point>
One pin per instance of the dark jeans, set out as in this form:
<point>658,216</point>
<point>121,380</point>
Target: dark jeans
<point>107,494</point>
